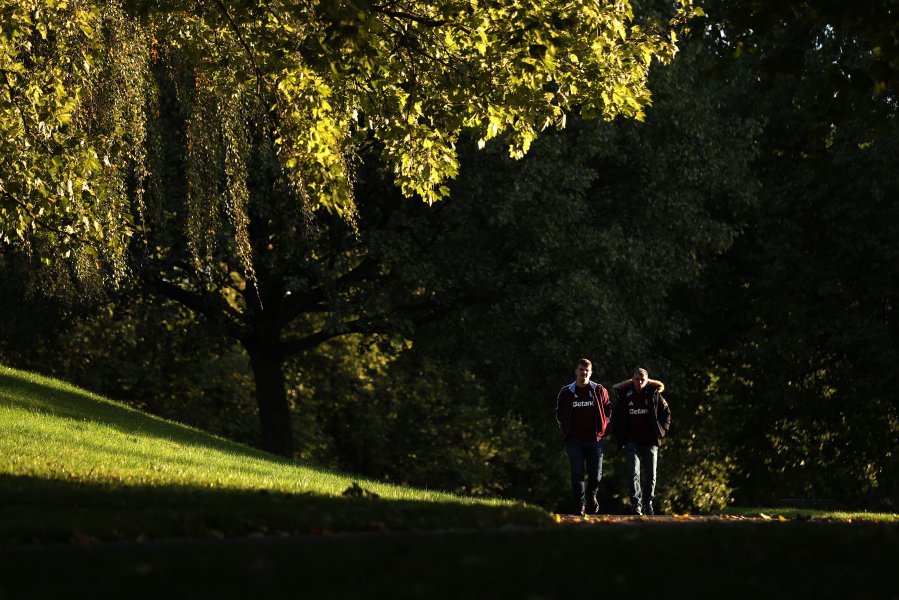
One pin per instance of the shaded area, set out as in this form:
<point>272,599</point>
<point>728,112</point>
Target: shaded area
<point>744,560</point>
<point>41,510</point>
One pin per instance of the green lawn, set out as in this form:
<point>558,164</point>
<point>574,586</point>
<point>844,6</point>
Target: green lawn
<point>102,500</point>
<point>812,514</point>
<point>74,465</point>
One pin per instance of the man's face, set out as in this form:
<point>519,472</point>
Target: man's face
<point>583,374</point>
<point>639,380</point>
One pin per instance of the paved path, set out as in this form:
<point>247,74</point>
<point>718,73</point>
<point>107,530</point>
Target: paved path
<point>598,519</point>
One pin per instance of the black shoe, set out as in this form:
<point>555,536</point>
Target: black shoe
<point>582,510</point>
<point>647,510</point>
<point>636,510</point>
<point>594,506</point>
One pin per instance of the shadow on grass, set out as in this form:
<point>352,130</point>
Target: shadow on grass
<point>735,561</point>
<point>42,510</point>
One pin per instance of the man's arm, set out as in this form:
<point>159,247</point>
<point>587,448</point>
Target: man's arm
<point>623,384</point>
<point>605,401</point>
<point>664,414</point>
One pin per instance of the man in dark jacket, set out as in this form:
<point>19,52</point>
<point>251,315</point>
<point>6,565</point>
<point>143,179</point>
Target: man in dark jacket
<point>583,410</point>
<point>640,420</point>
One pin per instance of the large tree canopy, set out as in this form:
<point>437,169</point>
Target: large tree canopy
<point>78,85</point>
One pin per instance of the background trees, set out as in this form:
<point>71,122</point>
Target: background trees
<point>800,309</point>
<point>738,244</point>
<point>244,122</point>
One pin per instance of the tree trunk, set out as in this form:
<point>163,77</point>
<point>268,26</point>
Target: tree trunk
<point>271,396</point>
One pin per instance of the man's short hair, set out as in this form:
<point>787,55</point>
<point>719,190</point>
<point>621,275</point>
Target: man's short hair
<point>585,363</point>
<point>642,371</point>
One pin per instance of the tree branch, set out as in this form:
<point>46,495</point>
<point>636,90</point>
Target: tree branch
<point>260,79</point>
<point>40,223</point>
<point>398,14</point>
<point>313,301</point>
<point>204,304</point>
<point>300,344</point>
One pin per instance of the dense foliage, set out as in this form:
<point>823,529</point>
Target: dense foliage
<point>314,76</point>
<point>738,242</point>
<point>800,311</point>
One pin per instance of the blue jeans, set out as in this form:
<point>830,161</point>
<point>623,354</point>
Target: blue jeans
<point>642,462</point>
<point>579,454</point>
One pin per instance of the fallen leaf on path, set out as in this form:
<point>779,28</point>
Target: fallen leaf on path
<point>79,537</point>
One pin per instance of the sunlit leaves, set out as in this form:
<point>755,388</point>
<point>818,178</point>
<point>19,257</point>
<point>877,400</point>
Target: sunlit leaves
<point>317,76</point>
<point>62,116</point>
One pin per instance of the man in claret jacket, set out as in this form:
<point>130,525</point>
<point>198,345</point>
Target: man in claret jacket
<point>583,410</point>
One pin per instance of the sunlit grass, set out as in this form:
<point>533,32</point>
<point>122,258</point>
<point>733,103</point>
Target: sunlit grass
<point>56,431</point>
<point>58,440</point>
<point>812,514</point>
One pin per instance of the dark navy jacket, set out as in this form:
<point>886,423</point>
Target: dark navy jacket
<point>657,405</point>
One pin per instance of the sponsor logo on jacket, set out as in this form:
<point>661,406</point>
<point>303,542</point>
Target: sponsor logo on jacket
<point>636,411</point>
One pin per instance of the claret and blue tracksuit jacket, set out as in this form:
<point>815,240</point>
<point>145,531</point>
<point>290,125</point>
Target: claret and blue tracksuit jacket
<point>601,402</point>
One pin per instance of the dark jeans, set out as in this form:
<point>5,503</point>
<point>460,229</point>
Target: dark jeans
<point>581,454</point>
<point>642,462</point>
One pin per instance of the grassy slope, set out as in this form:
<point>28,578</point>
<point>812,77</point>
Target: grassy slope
<point>74,468</point>
<point>74,465</point>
